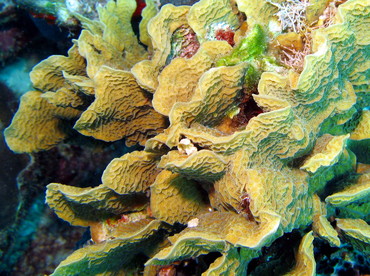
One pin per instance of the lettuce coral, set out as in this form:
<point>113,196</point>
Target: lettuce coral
<point>80,86</point>
<point>254,149</point>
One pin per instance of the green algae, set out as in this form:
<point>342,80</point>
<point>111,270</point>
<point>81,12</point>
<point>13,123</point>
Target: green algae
<point>251,47</point>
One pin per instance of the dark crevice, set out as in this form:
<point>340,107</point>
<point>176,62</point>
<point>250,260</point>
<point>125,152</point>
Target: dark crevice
<point>277,259</point>
<point>189,267</point>
<point>248,109</point>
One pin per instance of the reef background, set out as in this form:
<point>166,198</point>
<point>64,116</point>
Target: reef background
<point>33,239</point>
<point>30,234</point>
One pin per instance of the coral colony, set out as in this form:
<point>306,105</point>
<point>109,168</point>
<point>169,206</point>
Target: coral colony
<point>254,118</point>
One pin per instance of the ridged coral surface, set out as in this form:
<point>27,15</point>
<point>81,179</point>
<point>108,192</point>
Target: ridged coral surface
<point>242,146</point>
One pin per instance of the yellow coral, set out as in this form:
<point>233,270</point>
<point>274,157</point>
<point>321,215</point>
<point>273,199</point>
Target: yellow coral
<point>209,16</point>
<point>121,109</point>
<point>306,264</point>
<point>321,225</point>
<point>362,131</point>
<point>37,125</point>
<point>112,41</point>
<point>86,206</point>
<point>133,172</point>
<point>357,231</point>
<point>237,190</point>
<point>175,199</point>
<point>178,80</point>
<point>120,252</point>
<point>160,29</point>
<point>48,74</point>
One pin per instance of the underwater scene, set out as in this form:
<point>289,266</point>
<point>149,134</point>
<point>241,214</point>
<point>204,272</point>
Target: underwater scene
<point>184,137</point>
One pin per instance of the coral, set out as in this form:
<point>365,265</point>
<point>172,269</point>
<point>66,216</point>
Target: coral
<point>294,48</point>
<point>305,258</point>
<point>31,133</point>
<point>110,41</point>
<point>353,201</point>
<point>79,89</point>
<point>254,149</point>
<point>122,248</point>
<point>257,12</point>
<point>207,18</point>
<point>178,80</point>
<point>357,231</point>
<point>106,200</point>
<point>148,13</point>
<point>161,29</point>
<point>175,198</point>
<point>120,106</point>
<point>321,225</point>
<point>359,141</point>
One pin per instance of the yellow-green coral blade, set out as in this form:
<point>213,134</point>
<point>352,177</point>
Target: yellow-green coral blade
<point>117,256</point>
<point>178,80</point>
<point>233,263</point>
<point>175,198</point>
<point>148,13</point>
<point>80,84</point>
<point>280,133</point>
<point>121,109</point>
<point>48,74</point>
<point>306,264</point>
<point>321,225</point>
<point>328,100</point>
<point>280,193</point>
<point>354,200</point>
<point>257,12</point>
<point>357,232</point>
<point>359,141</point>
<point>360,191</point>
<point>208,16</point>
<point>116,17</point>
<point>275,91</point>
<point>64,97</point>
<point>161,28</point>
<point>84,206</point>
<point>344,41</point>
<point>203,165</point>
<point>36,125</point>
<point>344,161</point>
<point>216,232</point>
<point>325,154</point>
<point>157,144</point>
<point>208,139</point>
<point>362,131</point>
<point>98,52</point>
<point>116,44</point>
<point>324,229</point>
<point>133,172</point>
<point>216,94</point>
